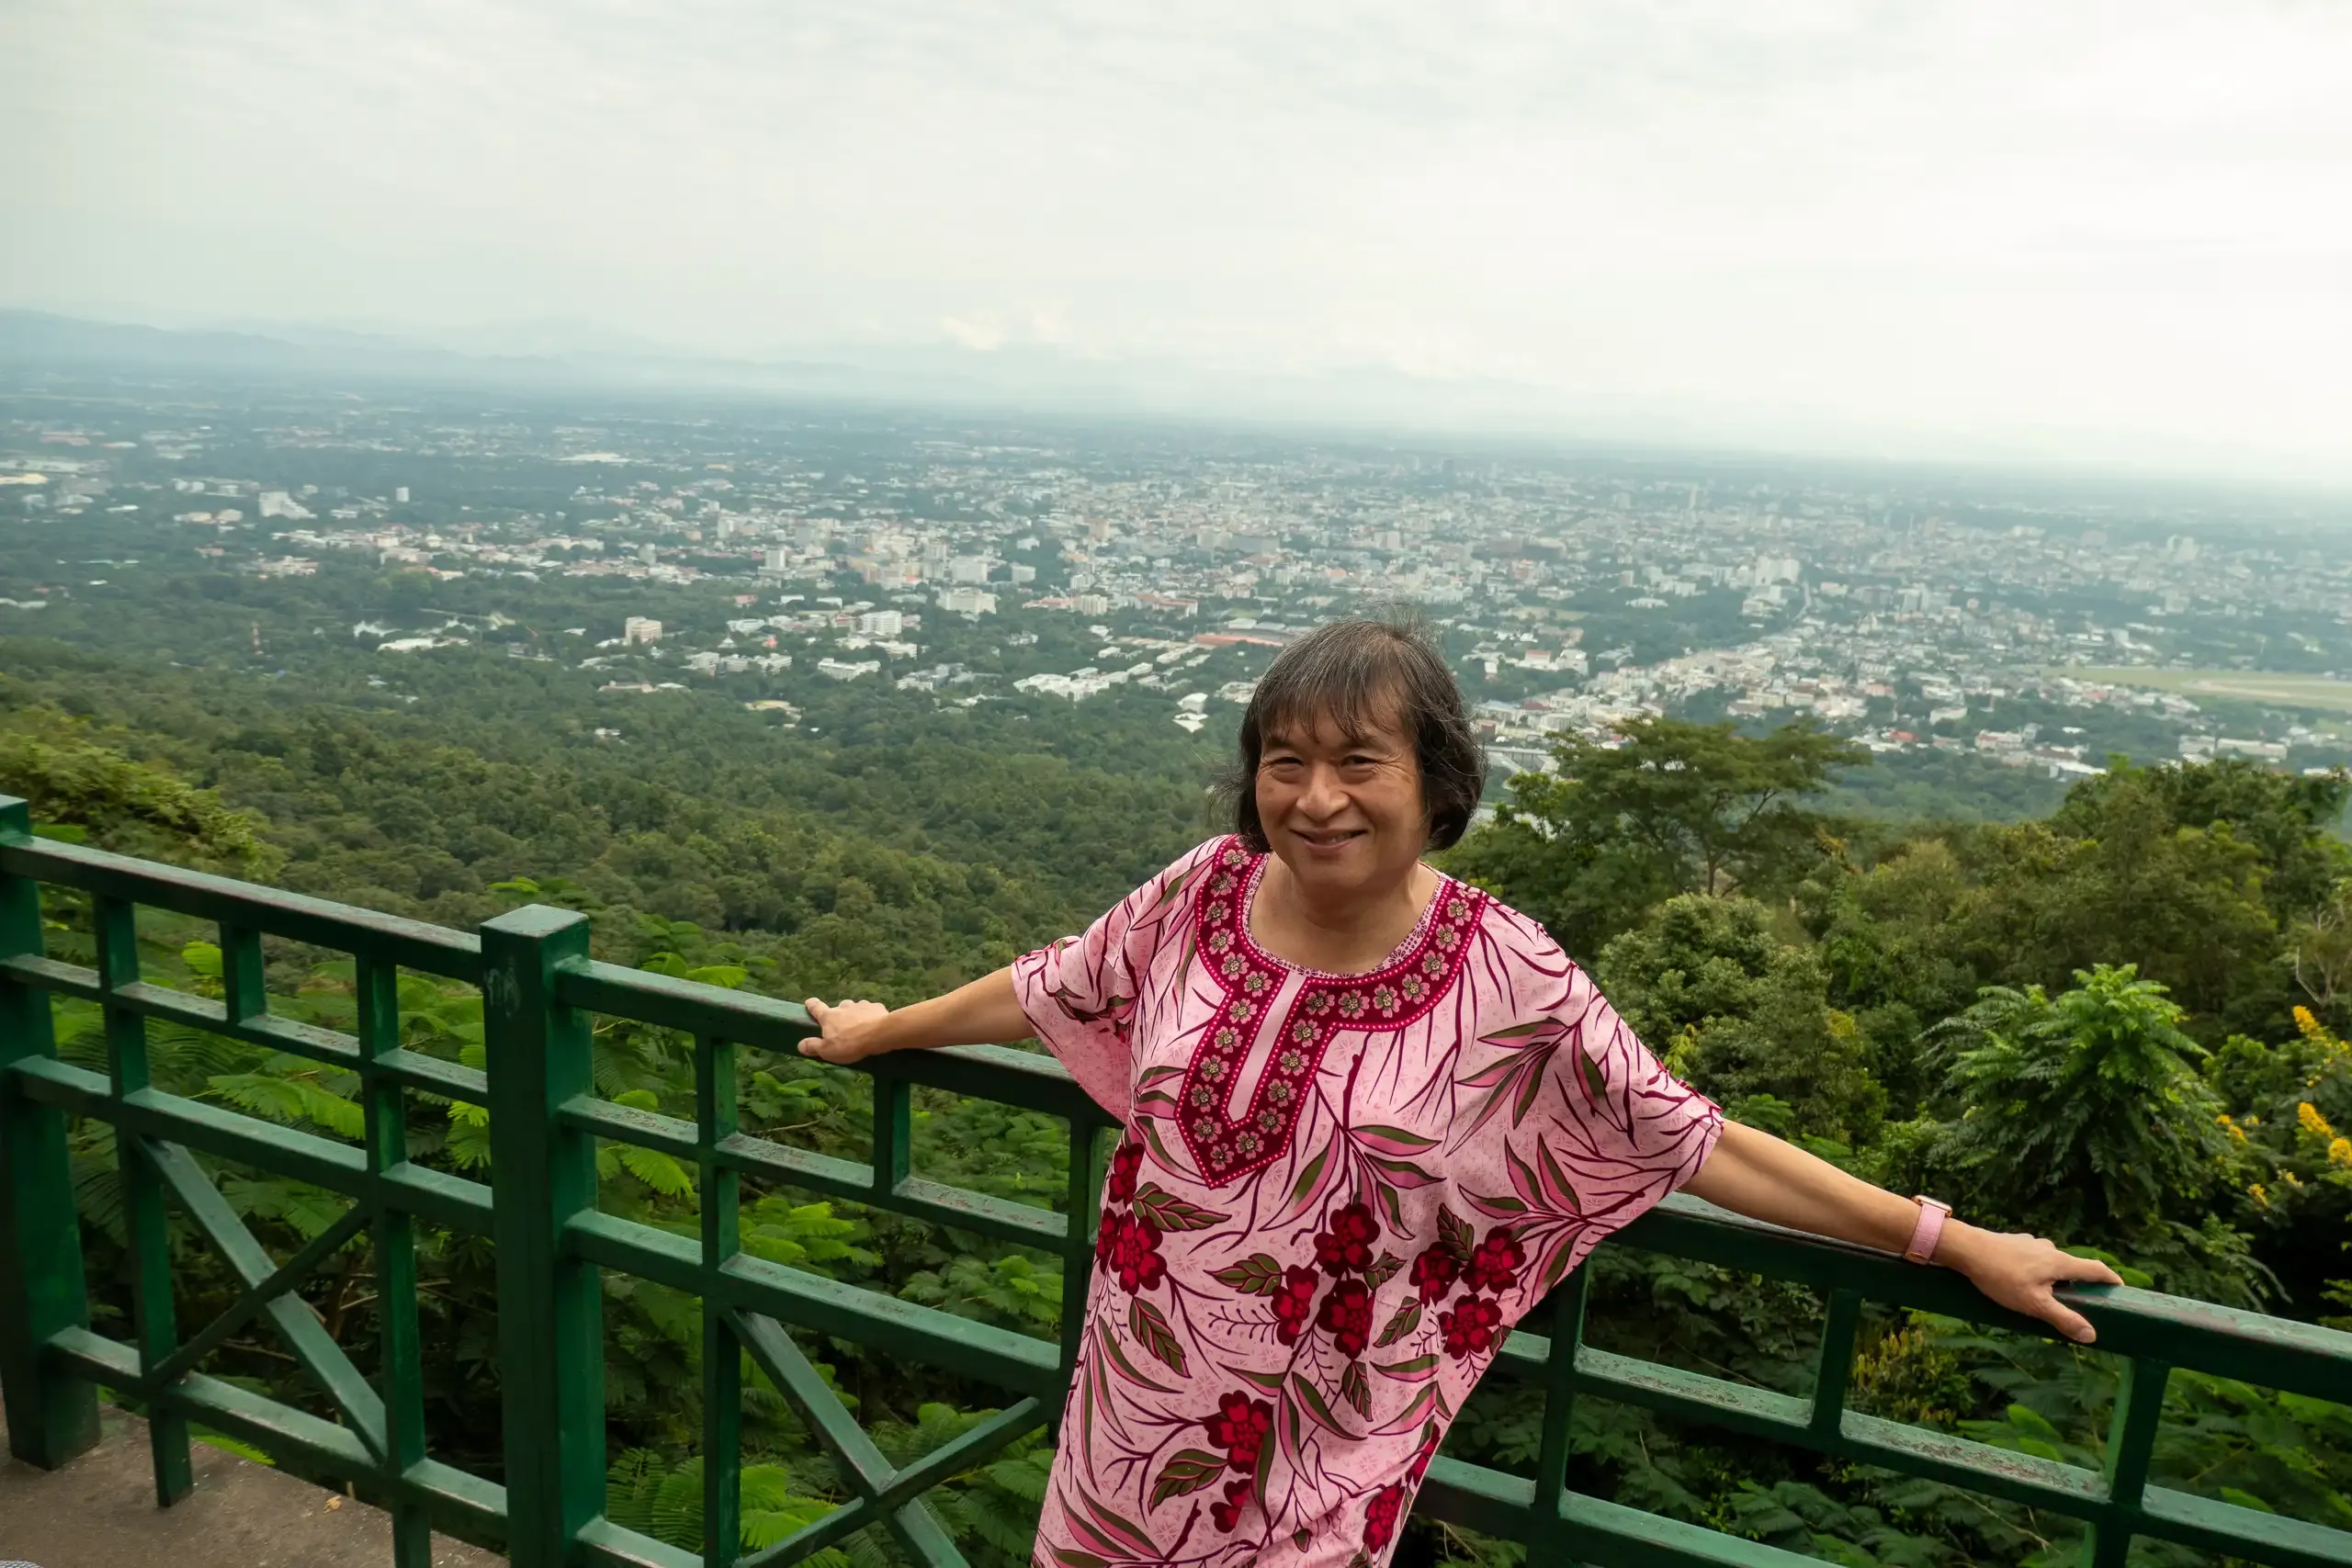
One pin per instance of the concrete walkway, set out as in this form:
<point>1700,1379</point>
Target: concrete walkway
<point>99,1512</point>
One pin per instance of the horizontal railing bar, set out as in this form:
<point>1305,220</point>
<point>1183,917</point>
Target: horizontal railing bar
<point>602,1541</point>
<point>411,1069</point>
<point>964,1209</point>
<point>1004,1074</point>
<point>999,1073</point>
<point>1605,1534</point>
<point>2069,1490</point>
<point>283,1431</point>
<point>296,916</point>
<point>851,1180</point>
<point>1979,1466</point>
<point>627,1124</point>
<point>979,1350</point>
<point>76,980</point>
<point>2197,1335</point>
<point>1694,1396</point>
<point>916,1196</point>
<point>450,1201</point>
<point>288,1034</point>
<point>2228,1531</point>
<point>748,1154</point>
<point>693,1006</point>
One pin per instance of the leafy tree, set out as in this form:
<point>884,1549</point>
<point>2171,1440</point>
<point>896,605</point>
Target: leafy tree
<point>82,788</point>
<point>2085,1116</point>
<point>1679,807</point>
<point>1891,950</point>
<point>1746,1017</point>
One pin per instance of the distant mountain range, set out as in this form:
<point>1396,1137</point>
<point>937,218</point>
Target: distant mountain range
<point>556,356</point>
<point>551,356</point>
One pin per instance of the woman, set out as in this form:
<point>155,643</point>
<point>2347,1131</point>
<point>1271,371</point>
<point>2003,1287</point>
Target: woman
<point>1372,1116</point>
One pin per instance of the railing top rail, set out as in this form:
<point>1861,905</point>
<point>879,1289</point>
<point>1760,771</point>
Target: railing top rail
<point>414,944</point>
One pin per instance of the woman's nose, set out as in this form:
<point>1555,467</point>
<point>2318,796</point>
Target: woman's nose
<point>1323,795</point>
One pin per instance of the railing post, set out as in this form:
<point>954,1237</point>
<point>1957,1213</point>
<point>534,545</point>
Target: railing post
<point>716,1120</point>
<point>153,1318</point>
<point>1548,1544</point>
<point>2130,1445</point>
<point>550,1322</point>
<point>1083,1206</point>
<point>53,1416</point>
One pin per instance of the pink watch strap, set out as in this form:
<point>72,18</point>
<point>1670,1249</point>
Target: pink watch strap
<point>1933,1212</point>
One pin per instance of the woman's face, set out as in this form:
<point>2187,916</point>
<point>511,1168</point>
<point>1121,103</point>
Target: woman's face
<point>1344,812</point>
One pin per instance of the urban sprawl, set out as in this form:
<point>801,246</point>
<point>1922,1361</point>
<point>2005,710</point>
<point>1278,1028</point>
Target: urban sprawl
<point>1570,597</point>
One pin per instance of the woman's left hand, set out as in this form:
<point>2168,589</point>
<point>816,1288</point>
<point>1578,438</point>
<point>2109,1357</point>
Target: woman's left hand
<point>2019,1270</point>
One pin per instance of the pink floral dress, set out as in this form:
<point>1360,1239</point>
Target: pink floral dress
<point>1335,1195</point>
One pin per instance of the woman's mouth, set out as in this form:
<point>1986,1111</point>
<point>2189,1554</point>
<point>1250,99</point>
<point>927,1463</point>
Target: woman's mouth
<point>1327,838</point>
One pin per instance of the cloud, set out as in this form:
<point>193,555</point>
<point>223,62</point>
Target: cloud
<point>1978,225</point>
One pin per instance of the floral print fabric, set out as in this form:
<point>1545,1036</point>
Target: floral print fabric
<point>1334,1196</point>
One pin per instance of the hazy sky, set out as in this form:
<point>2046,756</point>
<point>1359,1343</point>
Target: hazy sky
<point>2087,230</point>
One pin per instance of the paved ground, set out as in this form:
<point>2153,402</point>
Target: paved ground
<point>99,1512</point>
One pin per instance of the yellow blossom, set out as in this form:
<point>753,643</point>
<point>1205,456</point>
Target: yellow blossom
<point>2313,1122</point>
<point>2339,1151</point>
<point>2235,1131</point>
<point>2259,1194</point>
<point>2306,1022</point>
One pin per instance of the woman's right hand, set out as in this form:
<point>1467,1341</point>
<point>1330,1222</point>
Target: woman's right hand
<point>849,1030</point>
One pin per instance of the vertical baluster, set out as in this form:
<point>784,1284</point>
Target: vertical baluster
<point>1083,1205</point>
<point>723,1359</point>
<point>1559,1408</point>
<point>401,1377</point>
<point>550,1320</point>
<point>2131,1444</point>
<point>53,1416</point>
<point>893,1135</point>
<point>243,992</point>
<point>1834,1368</point>
<point>142,1193</point>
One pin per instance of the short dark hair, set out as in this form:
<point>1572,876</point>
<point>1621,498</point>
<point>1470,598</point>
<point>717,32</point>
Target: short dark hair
<point>1358,671</point>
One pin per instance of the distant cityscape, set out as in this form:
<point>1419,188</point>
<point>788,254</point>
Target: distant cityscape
<point>1572,594</point>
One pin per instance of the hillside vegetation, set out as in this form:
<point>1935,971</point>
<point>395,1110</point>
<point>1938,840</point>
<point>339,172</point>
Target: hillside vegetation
<point>2121,1023</point>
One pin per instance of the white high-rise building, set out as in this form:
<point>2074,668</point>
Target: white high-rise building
<point>638,628</point>
<point>882,623</point>
<point>969,569</point>
<point>968,601</point>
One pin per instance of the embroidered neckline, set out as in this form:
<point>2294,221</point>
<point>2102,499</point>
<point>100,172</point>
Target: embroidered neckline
<point>1398,956</point>
<point>1396,994</point>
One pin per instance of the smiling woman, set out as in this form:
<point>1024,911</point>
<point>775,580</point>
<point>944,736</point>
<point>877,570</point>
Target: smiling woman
<point>1372,1116</point>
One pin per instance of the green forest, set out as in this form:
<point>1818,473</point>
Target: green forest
<point>2121,1023</point>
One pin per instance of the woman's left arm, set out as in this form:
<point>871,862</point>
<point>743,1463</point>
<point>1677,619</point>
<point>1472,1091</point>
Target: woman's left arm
<point>1756,1174</point>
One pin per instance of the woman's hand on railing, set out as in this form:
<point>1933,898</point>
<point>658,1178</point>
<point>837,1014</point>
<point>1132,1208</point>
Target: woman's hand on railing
<point>2020,1270</point>
<point>985,1012</point>
<point>849,1030</point>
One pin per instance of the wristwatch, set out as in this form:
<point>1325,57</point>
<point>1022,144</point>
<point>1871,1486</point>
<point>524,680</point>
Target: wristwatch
<point>1933,1212</point>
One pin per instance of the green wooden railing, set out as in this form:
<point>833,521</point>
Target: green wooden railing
<point>540,1209</point>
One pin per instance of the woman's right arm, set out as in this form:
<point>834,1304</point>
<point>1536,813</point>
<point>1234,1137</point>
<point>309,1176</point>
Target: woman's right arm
<point>985,1012</point>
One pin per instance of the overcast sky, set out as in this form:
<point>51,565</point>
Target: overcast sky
<point>2104,233</point>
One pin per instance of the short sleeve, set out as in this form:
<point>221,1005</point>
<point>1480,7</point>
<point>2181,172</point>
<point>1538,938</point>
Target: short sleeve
<point>1609,1131</point>
<point>1081,993</point>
